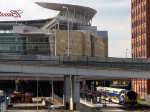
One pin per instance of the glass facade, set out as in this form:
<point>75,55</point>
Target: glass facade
<point>22,45</point>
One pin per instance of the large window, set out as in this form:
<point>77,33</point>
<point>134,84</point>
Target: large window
<point>142,88</point>
<point>16,44</point>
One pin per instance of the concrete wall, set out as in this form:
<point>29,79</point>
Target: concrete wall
<point>82,43</point>
<point>105,41</point>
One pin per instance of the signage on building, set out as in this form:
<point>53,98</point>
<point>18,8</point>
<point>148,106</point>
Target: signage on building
<point>12,13</point>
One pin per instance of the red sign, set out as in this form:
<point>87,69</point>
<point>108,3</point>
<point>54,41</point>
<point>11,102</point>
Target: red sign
<point>13,13</point>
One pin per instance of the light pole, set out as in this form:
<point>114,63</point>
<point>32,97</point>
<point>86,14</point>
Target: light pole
<point>68,30</point>
<point>52,89</point>
<point>37,92</point>
<point>126,52</point>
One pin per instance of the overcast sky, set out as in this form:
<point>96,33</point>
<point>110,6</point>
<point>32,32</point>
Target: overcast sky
<point>112,15</point>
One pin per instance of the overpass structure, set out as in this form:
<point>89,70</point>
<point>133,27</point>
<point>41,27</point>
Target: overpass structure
<point>72,68</point>
<point>74,65</point>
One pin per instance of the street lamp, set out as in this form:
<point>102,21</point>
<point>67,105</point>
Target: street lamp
<point>68,28</point>
<point>126,53</point>
<point>37,92</point>
<point>52,89</point>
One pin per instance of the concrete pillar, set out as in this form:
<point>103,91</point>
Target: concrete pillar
<point>72,92</point>
<point>76,90</point>
<point>84,85</point>
<point>16,85</point>
<point>66,91</point>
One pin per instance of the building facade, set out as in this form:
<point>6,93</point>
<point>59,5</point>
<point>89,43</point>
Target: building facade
<point>70,29</point>
<point>49,39</point>
<point>140,15</point>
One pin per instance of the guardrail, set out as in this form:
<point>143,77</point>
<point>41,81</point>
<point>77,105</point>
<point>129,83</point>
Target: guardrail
<point>123,63</point>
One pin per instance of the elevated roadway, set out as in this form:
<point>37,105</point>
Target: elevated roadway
<point>78,66</point>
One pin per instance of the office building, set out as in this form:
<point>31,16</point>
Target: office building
<point>140,14</point>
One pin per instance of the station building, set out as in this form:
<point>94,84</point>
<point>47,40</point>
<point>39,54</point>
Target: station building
<point>52,36</point>
<point>70,33</point>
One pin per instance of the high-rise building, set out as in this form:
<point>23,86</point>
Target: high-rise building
<point>140,14</point>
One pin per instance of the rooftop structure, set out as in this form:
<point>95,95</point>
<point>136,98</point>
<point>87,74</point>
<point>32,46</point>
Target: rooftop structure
<point>78,17</point>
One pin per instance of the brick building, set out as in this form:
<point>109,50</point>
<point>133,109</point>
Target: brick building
<point>140,16</point>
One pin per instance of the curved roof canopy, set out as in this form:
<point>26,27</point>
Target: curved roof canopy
<point>71,8</point>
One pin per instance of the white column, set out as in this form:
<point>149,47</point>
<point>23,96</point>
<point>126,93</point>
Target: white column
<point>58,24</point>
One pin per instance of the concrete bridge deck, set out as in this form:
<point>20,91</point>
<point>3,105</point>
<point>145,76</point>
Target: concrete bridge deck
<point>78,66</point>
<point>85,61</point>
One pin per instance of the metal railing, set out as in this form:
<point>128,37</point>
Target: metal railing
<point>123,63</point>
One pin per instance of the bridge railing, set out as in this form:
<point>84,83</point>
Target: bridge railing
<point>124,63</point>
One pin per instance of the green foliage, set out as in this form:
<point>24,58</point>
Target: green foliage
<point>140,100</point>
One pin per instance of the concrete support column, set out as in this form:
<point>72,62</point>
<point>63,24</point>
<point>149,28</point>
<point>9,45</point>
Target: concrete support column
<point>84,85</point>
<point>71,92</point>
<point>66,91</point>
<point>16,85</point>
<point>76,90</point>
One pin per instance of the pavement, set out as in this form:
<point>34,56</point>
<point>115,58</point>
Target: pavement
<point>113,107</point>
<point>102,107</point>
<point>36,106</point>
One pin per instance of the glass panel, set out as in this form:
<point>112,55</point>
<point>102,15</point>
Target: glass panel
<point>16,44</point>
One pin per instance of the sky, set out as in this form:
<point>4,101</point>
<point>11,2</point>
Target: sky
<point>112,15</point>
